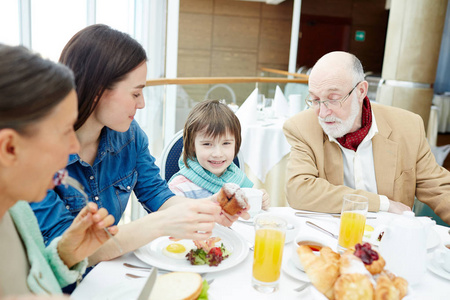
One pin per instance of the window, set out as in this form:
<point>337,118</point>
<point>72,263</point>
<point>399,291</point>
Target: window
<point>9,18</point>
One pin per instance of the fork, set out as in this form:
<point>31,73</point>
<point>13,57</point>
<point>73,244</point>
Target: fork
<point>139,276</point>
<point>250,244</point>
<point>142,268</point>
<point>304,286</point>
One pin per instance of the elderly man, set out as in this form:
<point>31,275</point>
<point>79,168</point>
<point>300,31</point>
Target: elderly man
<point>344,144</point>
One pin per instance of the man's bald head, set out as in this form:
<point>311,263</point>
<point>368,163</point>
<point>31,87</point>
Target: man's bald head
<point>338,64</point>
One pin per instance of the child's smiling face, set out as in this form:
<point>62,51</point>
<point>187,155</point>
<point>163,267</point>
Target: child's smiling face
<point>215,154</point>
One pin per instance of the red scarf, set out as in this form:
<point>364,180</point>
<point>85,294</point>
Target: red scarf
<point>353,139</point>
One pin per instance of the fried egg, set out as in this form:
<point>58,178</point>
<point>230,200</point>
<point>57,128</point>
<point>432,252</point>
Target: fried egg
<point>179,249</point>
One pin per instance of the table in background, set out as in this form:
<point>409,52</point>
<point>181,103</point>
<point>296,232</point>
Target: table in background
<point>235,283</point>
<point>266,153</point>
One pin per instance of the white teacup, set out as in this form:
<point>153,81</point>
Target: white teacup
<point>442,257</point>
<point>254,197</point>
<point>314,241</point>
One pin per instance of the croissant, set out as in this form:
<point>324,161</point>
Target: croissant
<point>402,286</point>
<point>349,264</point>
<point>322,273</point>
<point>386,289</point>
<point>353,286</point>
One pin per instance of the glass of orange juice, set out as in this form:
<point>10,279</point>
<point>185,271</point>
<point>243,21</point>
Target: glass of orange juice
<point>353,220</point>
<point>270,233</point>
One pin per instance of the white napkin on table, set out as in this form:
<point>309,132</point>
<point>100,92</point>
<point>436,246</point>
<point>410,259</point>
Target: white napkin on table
<point>280,104</point>
<point>247,113</point>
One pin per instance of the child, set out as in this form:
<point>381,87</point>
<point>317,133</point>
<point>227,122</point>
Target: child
<point>211,140</point>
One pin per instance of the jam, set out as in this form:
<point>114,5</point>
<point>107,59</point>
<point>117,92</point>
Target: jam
<point>365,253</point>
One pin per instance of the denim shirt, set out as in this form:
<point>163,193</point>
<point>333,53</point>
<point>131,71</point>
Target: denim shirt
<point>123,164</point>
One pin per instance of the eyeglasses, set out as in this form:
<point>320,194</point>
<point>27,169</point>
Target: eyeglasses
<point>315,103</point>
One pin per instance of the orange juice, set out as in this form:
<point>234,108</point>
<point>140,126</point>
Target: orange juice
<point>269,244</point>
<point>352,229</point>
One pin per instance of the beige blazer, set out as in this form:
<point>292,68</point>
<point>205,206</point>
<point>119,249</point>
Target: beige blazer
<point>404,164</point>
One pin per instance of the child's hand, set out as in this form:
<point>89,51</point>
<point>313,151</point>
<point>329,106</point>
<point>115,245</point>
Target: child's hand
<point>265,200</point>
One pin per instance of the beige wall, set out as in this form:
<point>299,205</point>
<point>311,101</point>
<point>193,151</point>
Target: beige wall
<point>231,38</point>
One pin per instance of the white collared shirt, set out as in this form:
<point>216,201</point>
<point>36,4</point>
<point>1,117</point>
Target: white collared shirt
<point>359,168</point>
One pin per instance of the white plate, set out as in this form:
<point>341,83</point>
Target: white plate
<point>152,253</point>
<point>125,290</point>
<point>129,290</point>
<point>289,268</point>
<point>434,267</point>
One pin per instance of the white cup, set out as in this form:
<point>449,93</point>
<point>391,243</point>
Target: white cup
<point>307,239</point>
<point>254,197</point>
<point>442,257</point>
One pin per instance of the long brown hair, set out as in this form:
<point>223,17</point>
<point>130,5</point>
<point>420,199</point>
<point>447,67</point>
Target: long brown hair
<point>100,57</point>
<point>216,119</point>
<point>30,87</point>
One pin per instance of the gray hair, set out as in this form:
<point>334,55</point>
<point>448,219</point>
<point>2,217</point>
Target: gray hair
<point>30,87</point>
<point>358,71</point>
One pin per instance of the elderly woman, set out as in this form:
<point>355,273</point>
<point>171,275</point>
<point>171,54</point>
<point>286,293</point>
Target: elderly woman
<point>38,108</point>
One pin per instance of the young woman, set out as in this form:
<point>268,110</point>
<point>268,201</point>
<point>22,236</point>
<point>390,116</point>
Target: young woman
<point>114,160</point>
<point>211,141</point>
<point>38,107</point>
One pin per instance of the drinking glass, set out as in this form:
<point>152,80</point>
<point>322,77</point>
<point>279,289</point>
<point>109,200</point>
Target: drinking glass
<point>353,220</point>
<point>270,233</point>
<point>260,106</point>
<point>268,108</point>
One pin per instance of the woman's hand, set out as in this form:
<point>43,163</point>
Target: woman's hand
<point>191,219</point>
<point>265,200</point>
<point>86,234</point>
<point>226,219</point>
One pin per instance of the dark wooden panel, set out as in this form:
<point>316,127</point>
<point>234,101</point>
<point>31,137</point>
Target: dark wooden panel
<point>237,8</point>
<point>195,31</point>
<point>236,32</point>
<point>320,35</point>
<point>371,50</point>
<point>370,12</point>
<point>196,6</point>
<point>331,8</point>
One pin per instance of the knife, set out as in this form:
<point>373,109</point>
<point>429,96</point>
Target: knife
<point>145,293</point>
<point>311,224</point>
<point>318,214</point>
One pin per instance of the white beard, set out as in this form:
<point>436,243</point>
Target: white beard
<point>340,127</point>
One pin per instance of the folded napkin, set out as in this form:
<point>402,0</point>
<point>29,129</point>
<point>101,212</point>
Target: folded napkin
<point>296,104</point>
<point>280,104</point>
<point>247,113</point>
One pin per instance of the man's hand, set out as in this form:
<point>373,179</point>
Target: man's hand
<point>397,207</point>
<point>86,234</point>
<point>265,200</point>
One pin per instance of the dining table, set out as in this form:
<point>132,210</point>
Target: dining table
<point>108,280</point>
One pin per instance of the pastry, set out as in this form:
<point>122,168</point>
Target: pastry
<point>372,260</point>
<point>350,264</point>
<point>386,289</point>
<point>402,286</point>
<point>232,199</point>
<point>323,272</point>
<point>353,286</point>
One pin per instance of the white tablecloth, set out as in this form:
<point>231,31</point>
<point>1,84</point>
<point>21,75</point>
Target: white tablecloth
<point>235,283</point>
<point>266,152</point>
<point>264,145</point>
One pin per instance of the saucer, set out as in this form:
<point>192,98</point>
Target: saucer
<point>434,267</point>
<point>289,268</point>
